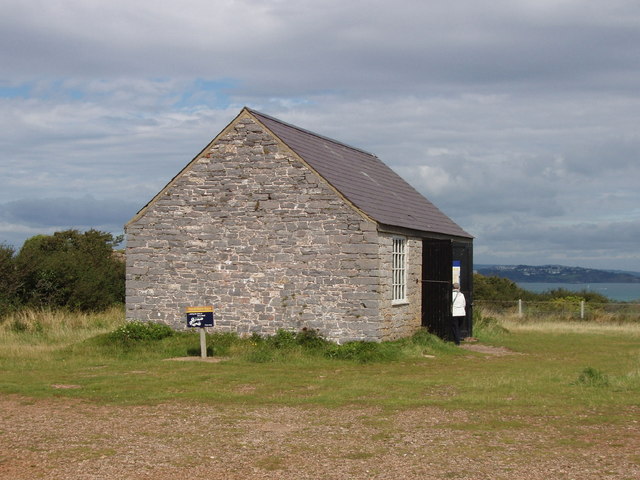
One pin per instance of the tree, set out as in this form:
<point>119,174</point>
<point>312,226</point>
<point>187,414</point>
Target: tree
<point>8,279</point>
<point>70,269</point>
<point>498,289</point>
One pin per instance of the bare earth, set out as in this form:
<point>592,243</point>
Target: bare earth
<point>69,439</point>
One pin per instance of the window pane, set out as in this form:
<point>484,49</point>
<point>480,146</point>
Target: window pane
<point>399,269</point>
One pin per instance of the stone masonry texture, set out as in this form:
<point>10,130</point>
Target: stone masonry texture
<point>250,229</point>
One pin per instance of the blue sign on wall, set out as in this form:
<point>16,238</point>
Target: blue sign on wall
<point>200,317</point>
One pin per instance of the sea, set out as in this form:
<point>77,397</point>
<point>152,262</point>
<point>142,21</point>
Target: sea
<point>621,292</point>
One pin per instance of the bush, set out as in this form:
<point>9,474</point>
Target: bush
<point>484,325</point>
<point>499,289</point>
<point>261,354</point>
<point>493,289</point>
<point>285,346</point>
<point>310,338</point>
<point>287,340</point>
<point>423,338</point>
<point>69,269</point>
<point>8,280</point>
<point>562,294</point>
<point>221,343</point>
<point>133,332</point>
<point>592,377</point>
<point>282,340</point>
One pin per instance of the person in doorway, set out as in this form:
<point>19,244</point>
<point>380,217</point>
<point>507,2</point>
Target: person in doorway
<point>458,312</point>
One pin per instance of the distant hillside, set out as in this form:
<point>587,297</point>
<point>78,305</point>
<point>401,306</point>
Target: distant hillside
<point>556,274</point>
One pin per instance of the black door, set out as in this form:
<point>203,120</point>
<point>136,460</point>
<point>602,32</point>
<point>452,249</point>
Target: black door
<point>437,257</point>
<point>463,252</point>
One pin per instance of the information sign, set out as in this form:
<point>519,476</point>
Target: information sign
<point>200,317</point>
<point>456,271</point>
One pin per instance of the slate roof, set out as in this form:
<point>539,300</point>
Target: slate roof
<point>364,180</point>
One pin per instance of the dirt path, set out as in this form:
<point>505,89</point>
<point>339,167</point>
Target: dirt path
<point>66,439</point>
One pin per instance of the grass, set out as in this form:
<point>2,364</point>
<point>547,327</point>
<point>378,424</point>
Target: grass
<point>563,369</point>
<point>567,394</point>
<point>33,334</point>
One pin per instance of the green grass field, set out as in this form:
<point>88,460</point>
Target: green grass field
<point>87,395</point>
<point>551,367</point>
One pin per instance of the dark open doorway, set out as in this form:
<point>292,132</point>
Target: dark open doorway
<point>436,285</point>
<point>438,258</point>
<point>463,253</point>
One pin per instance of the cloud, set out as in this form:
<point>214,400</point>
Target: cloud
<point>599,244</point>
<point>278,48</point>
<point>517,119</point>
<point>51,212</point>
<point>27,217</point>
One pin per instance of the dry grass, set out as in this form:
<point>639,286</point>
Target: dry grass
<point>36,320</point>
<point>32,331</point>
<point>513,323</point>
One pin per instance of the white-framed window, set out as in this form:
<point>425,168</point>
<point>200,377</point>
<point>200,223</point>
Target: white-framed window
<point>399,270</point>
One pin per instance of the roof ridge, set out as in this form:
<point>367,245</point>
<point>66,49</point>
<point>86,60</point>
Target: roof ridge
<point>309,132</point>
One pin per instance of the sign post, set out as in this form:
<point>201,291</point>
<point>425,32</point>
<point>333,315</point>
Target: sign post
<point>200,317</point>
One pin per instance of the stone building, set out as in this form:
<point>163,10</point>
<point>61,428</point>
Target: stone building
<point>277,227</point>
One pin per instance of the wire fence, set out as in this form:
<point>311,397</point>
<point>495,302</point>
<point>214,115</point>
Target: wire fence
<point>569,310</point>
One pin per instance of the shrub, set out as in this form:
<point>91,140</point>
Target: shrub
<point>70,269</point>
<point>310,338</point>
<point>423,338</point>
<point>484,325</point>
<point>592,377</point>
<point>492,288</point>
<point>261,354</point>
<point>282,340</point>
<point>287,340</point>
<point>286,344</point>
<point>8,280</point>
<point>136,331</point>
<point>221,343</point>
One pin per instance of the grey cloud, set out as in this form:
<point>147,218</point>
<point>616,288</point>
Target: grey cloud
<point>608,245</point>
<point>579,234</point>
<point>525,113</point>
<point>609,155</point>
<point>66,211</point>
<point>348,45</point>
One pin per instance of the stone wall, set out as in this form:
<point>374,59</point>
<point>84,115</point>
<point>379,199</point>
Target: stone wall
<point>401,319</point>
<point>253,231</point>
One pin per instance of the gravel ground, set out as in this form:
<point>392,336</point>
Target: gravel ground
<point>68,439</point>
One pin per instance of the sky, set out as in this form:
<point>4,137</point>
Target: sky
<point>519,119</point>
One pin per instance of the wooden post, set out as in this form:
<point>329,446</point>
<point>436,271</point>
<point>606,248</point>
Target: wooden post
<point>581,309</point>
<point>200,317</point>
<point>203,343</point>
<point>520,308</point>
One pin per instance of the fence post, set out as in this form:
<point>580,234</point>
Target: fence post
<point>581,309</point>
<point>520,308</point>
